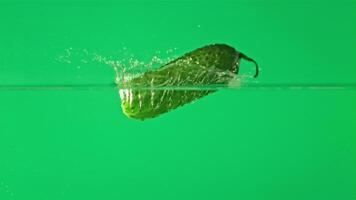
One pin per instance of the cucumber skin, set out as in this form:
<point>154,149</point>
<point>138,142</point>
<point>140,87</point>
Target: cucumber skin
<point>212,64</point>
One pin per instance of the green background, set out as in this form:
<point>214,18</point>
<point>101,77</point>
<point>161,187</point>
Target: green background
<point>234,144</point>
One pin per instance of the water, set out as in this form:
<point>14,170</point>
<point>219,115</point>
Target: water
<point>289,134</point>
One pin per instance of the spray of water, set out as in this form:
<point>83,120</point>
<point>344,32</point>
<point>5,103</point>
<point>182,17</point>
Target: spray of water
<point>125,64</point>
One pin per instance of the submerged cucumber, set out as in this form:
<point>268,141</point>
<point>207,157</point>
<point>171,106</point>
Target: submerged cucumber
<point>212,64</point>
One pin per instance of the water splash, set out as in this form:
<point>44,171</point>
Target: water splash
<point>131,67</point>
<point>125,64</point>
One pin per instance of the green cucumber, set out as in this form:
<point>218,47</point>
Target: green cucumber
<point>143,97</point>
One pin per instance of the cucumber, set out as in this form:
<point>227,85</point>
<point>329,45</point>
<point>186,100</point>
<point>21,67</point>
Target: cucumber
<point>143,97</point>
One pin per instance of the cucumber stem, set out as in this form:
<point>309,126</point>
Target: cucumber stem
<point>251,60</point>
